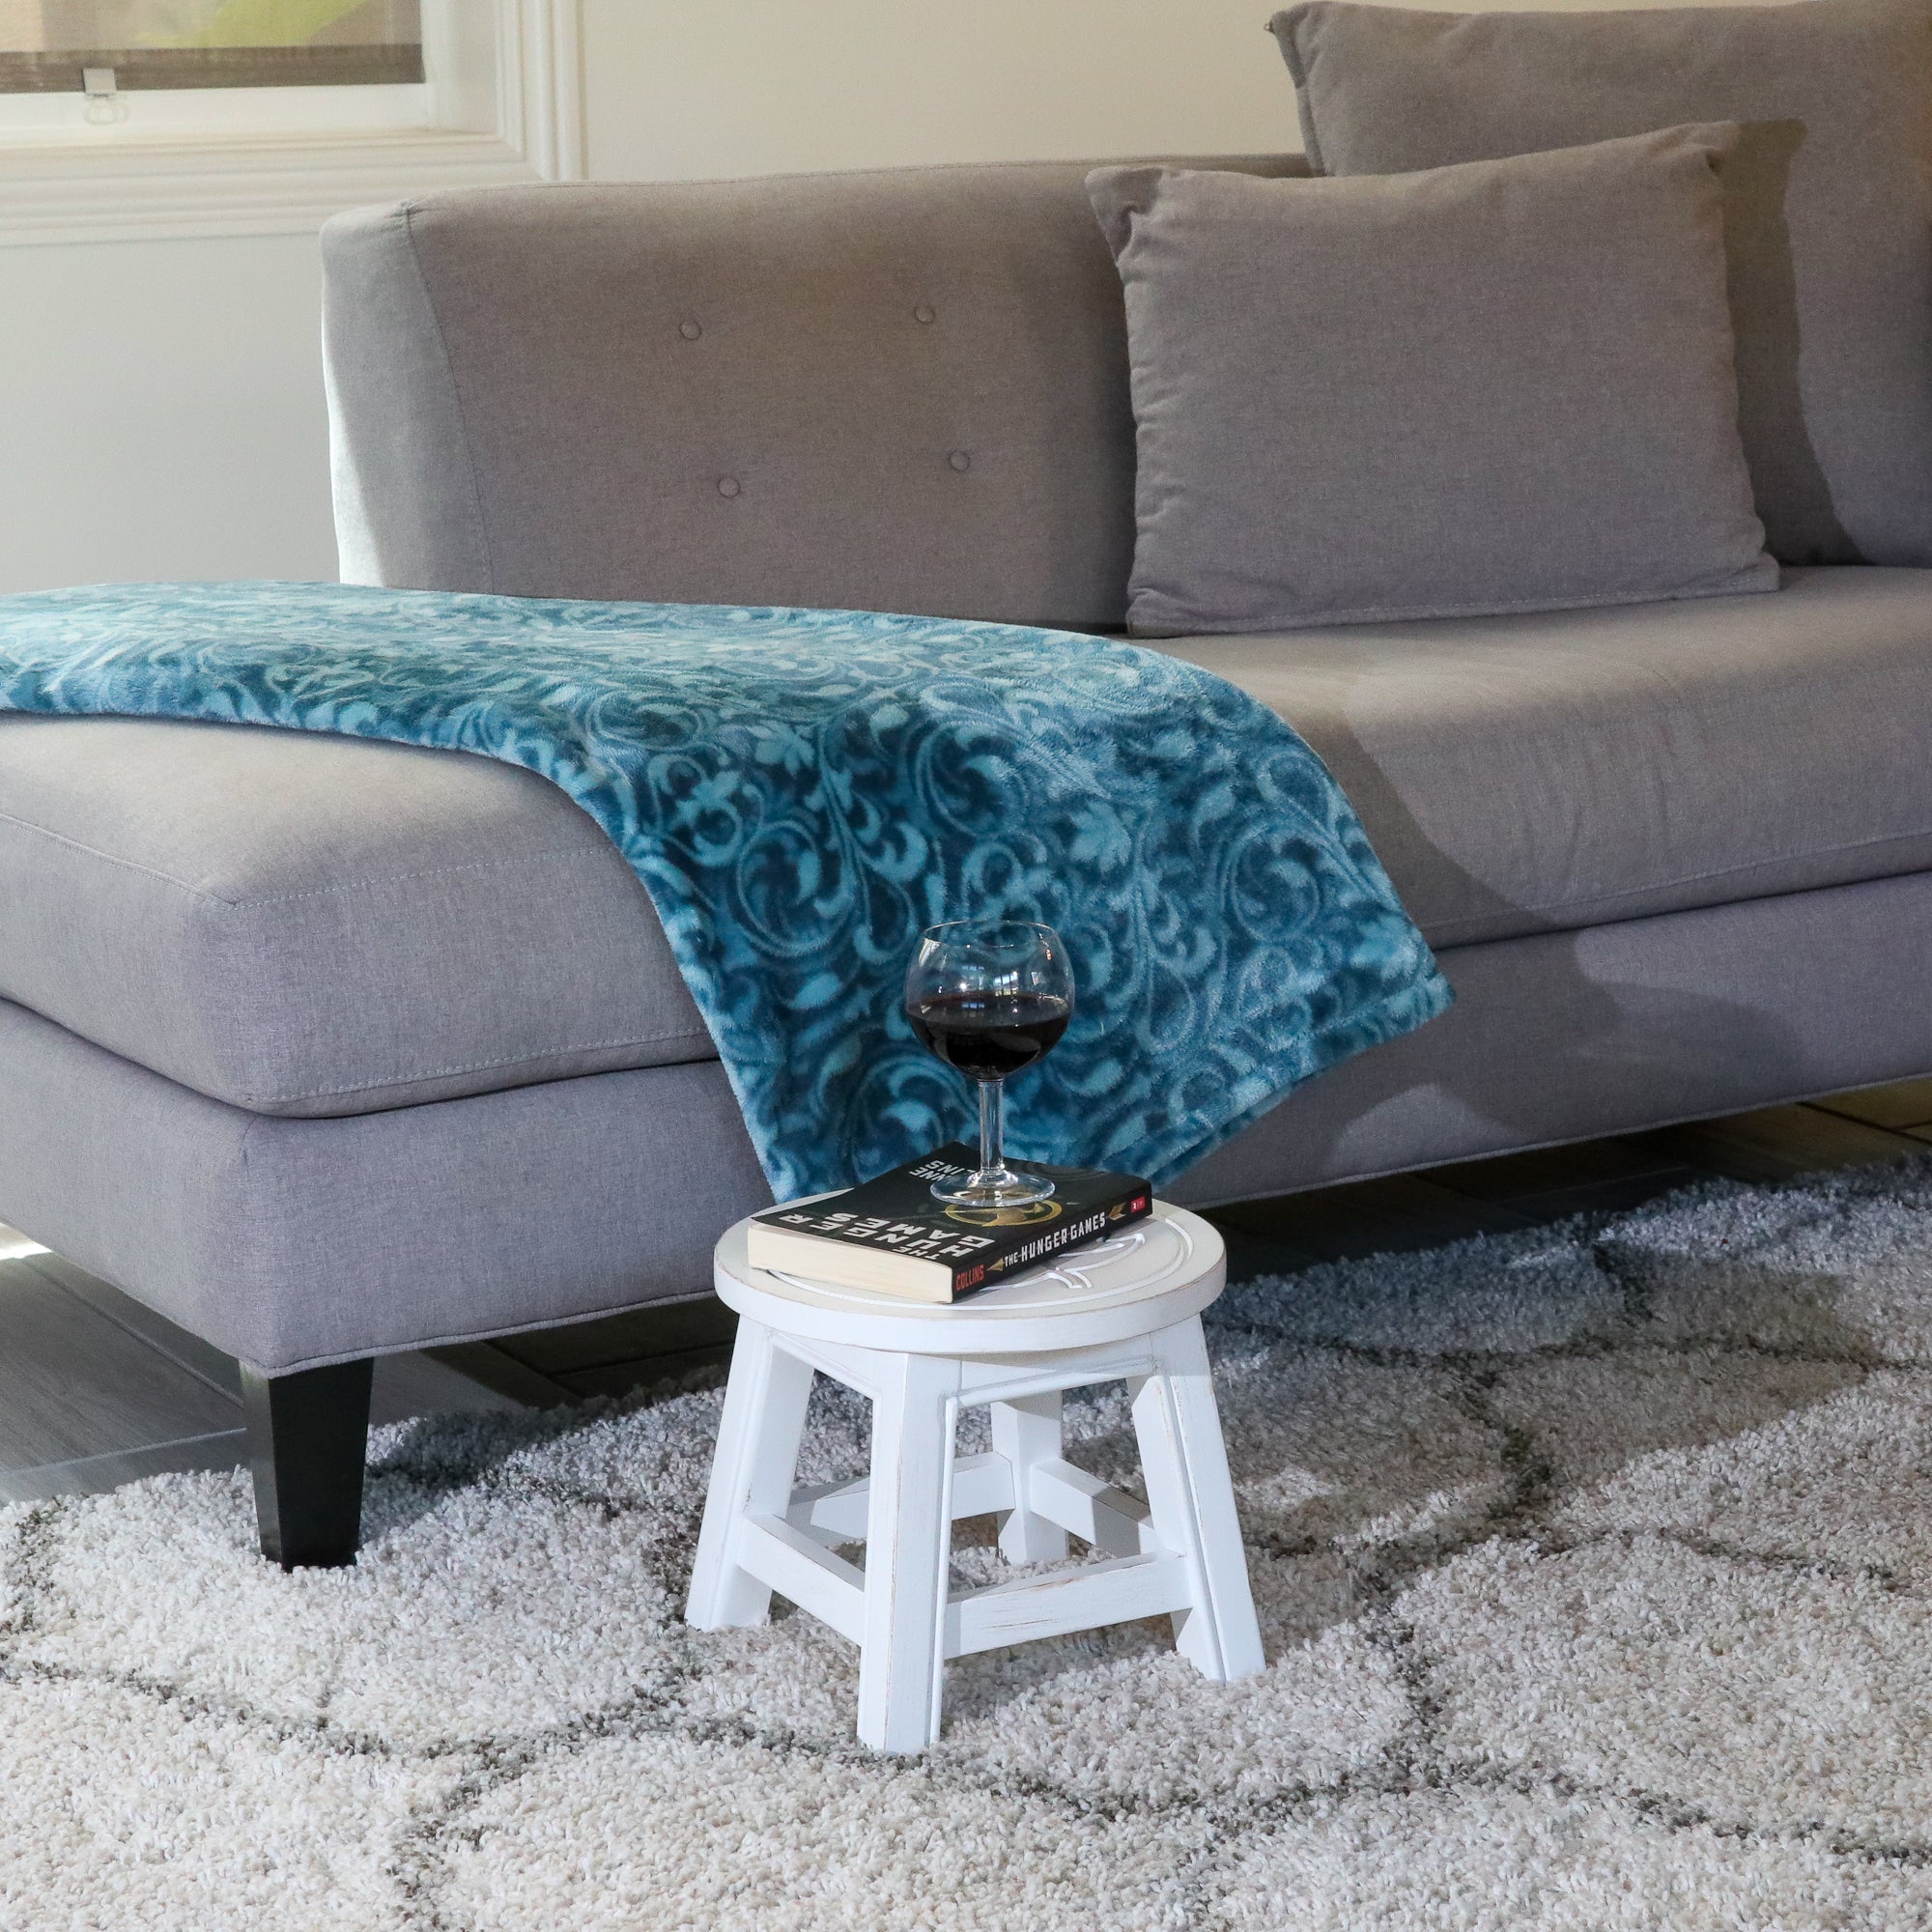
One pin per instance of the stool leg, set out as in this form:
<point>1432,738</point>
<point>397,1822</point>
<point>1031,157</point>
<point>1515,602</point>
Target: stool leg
<point>1191,1499</point>
<point>752,1471</point>
<point>1025,1432</point>
<point>908,1551</point>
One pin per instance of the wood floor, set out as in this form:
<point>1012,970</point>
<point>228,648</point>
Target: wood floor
<point>95,1390</point>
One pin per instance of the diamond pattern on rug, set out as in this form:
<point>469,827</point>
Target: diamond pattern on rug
<point>1592,1564</point>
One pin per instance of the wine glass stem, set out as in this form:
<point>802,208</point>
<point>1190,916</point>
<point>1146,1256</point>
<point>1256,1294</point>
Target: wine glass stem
<point>992,1125</point>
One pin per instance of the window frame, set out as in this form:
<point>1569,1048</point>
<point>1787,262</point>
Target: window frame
<point>509,101</point>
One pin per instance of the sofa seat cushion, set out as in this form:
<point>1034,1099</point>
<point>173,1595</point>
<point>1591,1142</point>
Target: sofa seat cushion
<point>307,924</point>
<point>1546,771</point>
<point>304,924</point>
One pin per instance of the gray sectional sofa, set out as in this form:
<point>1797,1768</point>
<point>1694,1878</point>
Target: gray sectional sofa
<point>325,1047</point>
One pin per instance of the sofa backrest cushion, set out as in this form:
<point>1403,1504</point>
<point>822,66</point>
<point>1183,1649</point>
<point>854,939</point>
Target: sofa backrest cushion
<point>904,390</point>
<point>1829,217</point>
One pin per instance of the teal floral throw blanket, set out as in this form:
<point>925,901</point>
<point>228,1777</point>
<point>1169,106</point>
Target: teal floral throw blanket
<point>801,791</point>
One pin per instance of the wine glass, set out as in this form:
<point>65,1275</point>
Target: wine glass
<point>989,997</point>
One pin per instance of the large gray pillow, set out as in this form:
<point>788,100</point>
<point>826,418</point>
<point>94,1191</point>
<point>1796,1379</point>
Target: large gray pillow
<point>1503,387</point>
<point>1829,214</point>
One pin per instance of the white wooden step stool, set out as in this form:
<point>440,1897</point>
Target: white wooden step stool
<point>1127,1308</point>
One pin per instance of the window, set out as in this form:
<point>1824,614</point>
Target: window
<point>94,72</point>
<point>132,119</point>
<point>52,46</point>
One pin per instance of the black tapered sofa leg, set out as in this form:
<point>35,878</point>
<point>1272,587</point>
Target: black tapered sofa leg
<point>308,1434</point>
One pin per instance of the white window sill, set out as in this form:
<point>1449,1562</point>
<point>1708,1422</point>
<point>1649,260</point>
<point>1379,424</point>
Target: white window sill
<point>165,185</point>
<point>213,113</point>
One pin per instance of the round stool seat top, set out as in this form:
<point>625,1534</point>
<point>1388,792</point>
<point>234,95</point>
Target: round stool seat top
<point>1154,1274</point>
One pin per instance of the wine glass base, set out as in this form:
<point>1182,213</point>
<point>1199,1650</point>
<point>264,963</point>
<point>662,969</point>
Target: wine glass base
<point>1000,1187</point>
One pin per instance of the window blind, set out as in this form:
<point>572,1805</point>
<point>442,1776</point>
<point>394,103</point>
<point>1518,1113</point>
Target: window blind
<point>46,45</point>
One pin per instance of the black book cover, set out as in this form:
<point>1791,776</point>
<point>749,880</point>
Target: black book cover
<point>890,1233</point>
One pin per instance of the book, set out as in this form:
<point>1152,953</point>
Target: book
<point>891,1235</point>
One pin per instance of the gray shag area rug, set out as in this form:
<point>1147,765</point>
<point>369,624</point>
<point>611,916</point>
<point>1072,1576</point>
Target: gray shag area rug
<point>1594,1566</point>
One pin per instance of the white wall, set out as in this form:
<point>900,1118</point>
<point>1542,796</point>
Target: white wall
<point>160,403</point>
<point>160,412</point>
<point>735,87</point>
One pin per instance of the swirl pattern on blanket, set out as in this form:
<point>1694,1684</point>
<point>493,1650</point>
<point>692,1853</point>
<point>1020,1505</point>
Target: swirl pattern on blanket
<point>801,791</point>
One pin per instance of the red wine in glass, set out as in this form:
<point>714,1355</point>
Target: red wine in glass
<point>989,1037</point>
<point>989,997</point>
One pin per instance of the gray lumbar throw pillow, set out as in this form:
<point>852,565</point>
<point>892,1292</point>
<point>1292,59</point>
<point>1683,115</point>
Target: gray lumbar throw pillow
<point>1502,386</point>
<point>1830,214</point>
